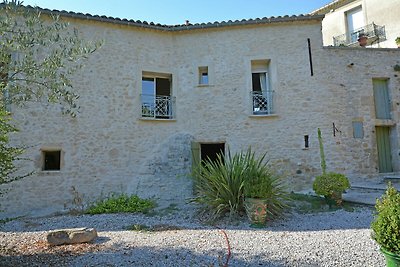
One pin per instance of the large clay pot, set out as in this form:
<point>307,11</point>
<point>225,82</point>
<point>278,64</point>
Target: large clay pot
<point>256,210</point>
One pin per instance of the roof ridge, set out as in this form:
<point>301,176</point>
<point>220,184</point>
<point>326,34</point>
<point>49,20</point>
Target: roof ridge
<point>179,27</point>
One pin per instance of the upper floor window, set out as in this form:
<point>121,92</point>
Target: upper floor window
<point>261,93</point>
<point>355,23</point>
<point>157,101</point>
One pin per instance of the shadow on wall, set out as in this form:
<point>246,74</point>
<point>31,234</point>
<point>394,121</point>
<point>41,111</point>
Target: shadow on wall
<point>164,176</point>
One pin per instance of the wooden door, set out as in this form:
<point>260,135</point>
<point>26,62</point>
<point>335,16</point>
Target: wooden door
<point>384,149</point>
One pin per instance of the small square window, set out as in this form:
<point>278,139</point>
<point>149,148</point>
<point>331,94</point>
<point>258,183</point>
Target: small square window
<point>203,75</point>
<point>52,160</point>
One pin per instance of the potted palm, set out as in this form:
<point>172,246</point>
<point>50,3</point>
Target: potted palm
<point>264,191</point>
<point>386,226</point>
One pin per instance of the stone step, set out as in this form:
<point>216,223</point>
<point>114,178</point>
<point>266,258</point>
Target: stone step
<point>366,196</point>
<point>392,178</point>
<point>367,193</point>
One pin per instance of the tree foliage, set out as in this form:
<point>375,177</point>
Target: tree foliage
<point>39,54</point>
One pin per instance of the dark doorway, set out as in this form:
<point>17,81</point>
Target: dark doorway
<point>210,151</point>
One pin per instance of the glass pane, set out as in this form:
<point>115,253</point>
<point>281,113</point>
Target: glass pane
<point>204,78</point>
<point>147,90</point>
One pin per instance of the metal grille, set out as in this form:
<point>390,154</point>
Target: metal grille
<point>374,33</point>
<point>158,107</point>
<point>262,102</point>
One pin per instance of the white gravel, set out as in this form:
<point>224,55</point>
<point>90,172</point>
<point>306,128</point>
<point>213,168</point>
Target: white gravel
<point>339,238</point>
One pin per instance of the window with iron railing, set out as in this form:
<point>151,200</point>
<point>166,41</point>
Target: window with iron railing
<point>261,94</point>
<point>157,102</point>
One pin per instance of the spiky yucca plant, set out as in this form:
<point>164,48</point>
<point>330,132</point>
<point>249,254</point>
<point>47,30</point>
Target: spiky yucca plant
<point>221,185</point>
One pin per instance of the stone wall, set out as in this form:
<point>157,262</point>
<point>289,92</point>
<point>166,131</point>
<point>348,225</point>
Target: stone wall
<point>109,148</point>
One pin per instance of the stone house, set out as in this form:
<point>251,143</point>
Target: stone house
<point>345,20</point>
<point>155,96</point>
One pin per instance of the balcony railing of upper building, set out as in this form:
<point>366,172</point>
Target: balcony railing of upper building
<point>262,102</point>
<point>373,32</point>
<point>158,107</point>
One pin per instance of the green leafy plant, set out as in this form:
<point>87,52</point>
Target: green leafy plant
<point>386,223</point>
<point>261,181</point>
<point>397,40</point>
<point>121,203</point>
<point>219,184</point>
<point>321,152</point>
<point>330,183</point>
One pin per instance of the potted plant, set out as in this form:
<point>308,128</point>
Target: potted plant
<point>331,186</point>
<point>264,191</point>
<point>386,226</point>
<point>398,41</point>
<point>362,39</point>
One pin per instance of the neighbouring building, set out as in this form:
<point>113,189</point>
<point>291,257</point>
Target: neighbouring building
<point>346,20</point>
<point>155,97</point>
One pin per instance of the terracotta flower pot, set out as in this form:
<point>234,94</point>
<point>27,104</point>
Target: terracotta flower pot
<point>362,40</point>
<point>256,210</point>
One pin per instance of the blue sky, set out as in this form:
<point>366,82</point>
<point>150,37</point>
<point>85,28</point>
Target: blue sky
<point>177,11</point>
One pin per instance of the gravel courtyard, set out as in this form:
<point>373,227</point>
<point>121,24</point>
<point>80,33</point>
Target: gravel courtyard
<point>178,238</point>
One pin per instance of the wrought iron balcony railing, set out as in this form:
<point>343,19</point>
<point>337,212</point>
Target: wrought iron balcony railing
<point>373,32</point>
<point>158,107</point>
<point>262,102</point>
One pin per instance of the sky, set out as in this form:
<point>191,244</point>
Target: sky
<point>172,12</point>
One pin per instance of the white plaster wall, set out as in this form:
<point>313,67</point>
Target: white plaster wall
<point>382,13</point>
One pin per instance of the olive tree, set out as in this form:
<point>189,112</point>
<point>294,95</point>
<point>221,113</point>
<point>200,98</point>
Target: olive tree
<point>39,53</point>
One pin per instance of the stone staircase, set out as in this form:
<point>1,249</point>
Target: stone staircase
<point>367,192</point>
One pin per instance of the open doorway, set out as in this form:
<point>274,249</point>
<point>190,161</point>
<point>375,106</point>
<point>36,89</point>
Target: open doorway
<point>211,151</point>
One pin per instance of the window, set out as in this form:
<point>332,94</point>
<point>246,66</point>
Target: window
<point>203,75</point>
<point>381,99</point>
<point>358,131</point>
<point>157,101</point>
<point>51,160</point>
<point>261,93</point>
<point>355,22</point>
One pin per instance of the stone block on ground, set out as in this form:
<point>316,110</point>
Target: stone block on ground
<point>71,236</point>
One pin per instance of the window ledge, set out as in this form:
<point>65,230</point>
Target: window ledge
<point>158,120</point>
<point>384,122</point>
<point>48,172</point>
<point>264,116</point>
<point>205,85</point>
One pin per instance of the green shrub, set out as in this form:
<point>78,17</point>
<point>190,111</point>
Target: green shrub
<point>386,223</point>
<point>261,181</point>
<point>330,183</point>
<point>121,203</point>
<point>221,185</point>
